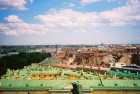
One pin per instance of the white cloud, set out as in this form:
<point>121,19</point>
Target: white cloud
<point>88,1</point>
<point>68,18</point>
<point>124,15</point>
<point>11,33</point>
<point>71,20</point>
<point>17,4</point>
<point>12,19</point>
<point>13,25</point>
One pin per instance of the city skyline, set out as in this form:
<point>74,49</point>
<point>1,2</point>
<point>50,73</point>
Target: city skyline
<point>39,22</point>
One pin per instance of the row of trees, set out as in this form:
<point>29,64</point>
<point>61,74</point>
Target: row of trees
<point>20,60</point>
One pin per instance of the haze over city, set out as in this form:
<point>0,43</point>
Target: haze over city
<point>69,21</point>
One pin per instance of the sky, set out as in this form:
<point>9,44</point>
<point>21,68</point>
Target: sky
<point>44,22</point>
